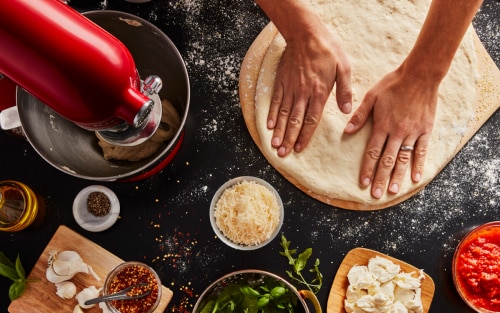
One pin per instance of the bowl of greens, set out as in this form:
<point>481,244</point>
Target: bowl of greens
<point>254,291</point>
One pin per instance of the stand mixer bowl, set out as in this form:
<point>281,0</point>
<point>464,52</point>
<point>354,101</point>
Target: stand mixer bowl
<point>73,149</point>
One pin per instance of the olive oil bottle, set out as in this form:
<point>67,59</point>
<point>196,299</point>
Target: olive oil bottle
<point>19,206</point>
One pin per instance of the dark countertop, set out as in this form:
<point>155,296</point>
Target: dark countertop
<point>164,219</point>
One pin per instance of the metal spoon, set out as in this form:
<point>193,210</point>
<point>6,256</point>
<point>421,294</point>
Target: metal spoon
<point>121,295</point>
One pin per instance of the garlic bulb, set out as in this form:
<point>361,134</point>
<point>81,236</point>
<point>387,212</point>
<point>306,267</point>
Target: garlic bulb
<point>66,264</point>
<point>87,294</point>
<point>66,289</point>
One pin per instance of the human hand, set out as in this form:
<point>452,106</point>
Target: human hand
<point>307,72</point>
<point>403,110</point>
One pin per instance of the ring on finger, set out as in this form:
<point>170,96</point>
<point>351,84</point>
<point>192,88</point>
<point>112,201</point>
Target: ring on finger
<point>407,148</point>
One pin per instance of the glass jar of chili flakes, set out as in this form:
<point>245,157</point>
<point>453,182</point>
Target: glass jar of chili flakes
<point>128,274</point>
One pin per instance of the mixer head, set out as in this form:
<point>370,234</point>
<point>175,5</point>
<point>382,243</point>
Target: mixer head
<point>78,69</point>
<point>146,122</point>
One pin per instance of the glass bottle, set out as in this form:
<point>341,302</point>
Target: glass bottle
<point>19,206</point>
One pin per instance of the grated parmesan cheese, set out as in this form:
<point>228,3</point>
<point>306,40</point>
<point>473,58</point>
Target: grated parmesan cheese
<point>247,213</point>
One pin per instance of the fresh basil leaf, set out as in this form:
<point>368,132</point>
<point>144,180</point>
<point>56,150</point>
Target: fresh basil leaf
<point>9,272</point>
<point>5,260</point>
<point>263,301</point>
<point>209,307</point>
<point>249,291</point>
<point>17,289</point>
<point>19,268</point>
<point>278,291</point>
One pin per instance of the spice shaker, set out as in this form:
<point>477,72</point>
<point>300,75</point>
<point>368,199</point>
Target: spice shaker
<point>19,206</point>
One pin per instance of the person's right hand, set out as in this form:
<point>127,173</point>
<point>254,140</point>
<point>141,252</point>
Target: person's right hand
<point>310,67</point>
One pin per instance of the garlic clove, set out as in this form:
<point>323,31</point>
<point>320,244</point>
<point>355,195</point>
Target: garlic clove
<point>64,265</point>
<point>66,289</point>
<point>104,307</point>
<point>77,309</point>
<point>87,294</point>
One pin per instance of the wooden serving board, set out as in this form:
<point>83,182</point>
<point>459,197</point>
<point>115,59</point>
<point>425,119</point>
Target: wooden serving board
<point>488,93</point>
<point>40,296</point>
<point>361,256</point>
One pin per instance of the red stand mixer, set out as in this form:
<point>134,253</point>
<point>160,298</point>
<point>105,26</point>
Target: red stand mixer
<point>64,60</point>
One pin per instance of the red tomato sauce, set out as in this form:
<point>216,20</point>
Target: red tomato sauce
<point>478,269</point>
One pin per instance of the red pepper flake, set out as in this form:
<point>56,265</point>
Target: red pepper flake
<point>132,275</point>
<point>185,305</point>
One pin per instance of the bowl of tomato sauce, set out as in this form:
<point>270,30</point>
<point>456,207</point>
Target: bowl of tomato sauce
<point>476,268</point>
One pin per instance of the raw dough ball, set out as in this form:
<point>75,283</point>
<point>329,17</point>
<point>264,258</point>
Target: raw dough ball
<point>170,123</point>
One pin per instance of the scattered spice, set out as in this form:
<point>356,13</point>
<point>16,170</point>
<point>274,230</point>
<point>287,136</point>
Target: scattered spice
<point>98,204</point>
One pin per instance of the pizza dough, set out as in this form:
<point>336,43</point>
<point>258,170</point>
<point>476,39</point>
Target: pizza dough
<point>377,36</point>
<point>170,123</point>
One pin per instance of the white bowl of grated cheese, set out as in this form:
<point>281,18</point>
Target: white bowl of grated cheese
<point>246,213</point>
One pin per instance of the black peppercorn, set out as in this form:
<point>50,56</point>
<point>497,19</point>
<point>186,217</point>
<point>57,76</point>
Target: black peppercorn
<point>98,204</point>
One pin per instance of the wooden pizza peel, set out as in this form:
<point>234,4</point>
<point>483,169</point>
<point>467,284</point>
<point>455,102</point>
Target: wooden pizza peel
<point>488,94</point>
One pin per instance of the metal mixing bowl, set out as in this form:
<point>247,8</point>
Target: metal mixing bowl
<point>74,150</point>
<point>254,279</point>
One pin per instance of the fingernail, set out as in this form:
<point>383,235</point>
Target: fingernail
<point>366,182</point>
<point>377,193</point>
<point>276,141</point>
<point>349,127</point>
<point>270,124</point>
<point>281,151</point>
<point>346,107</point>
<point>394,188</point>
<point>417,177</point>
<point>298,147</point>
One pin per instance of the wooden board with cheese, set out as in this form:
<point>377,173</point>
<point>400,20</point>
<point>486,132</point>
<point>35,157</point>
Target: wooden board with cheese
<point>361,256</point>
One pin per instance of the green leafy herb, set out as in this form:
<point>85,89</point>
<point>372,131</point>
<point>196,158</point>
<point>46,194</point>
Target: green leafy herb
<point>300,263</point>
<point>265,295</point>
<point>15,272</point>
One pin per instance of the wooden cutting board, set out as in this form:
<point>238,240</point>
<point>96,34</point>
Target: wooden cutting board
<point>361,256</point>
<point>488,91</point>
<point>40,296</point>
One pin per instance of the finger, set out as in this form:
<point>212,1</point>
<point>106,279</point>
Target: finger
<point>293,127</point>
<point>344,90</point>
<point>281,121</point>
<point>403,160</point>
<point>311,121</point>
<point>276,101</point>
<point>419,156</point>
<point>385,167</point>
<point>371,156</point>
<point>361,115</point>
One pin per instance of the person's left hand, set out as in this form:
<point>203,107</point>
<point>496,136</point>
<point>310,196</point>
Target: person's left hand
<point>403,108</point>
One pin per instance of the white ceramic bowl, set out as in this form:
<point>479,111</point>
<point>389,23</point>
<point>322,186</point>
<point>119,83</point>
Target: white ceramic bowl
<point>86,219</point>
<point>219,193</point>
